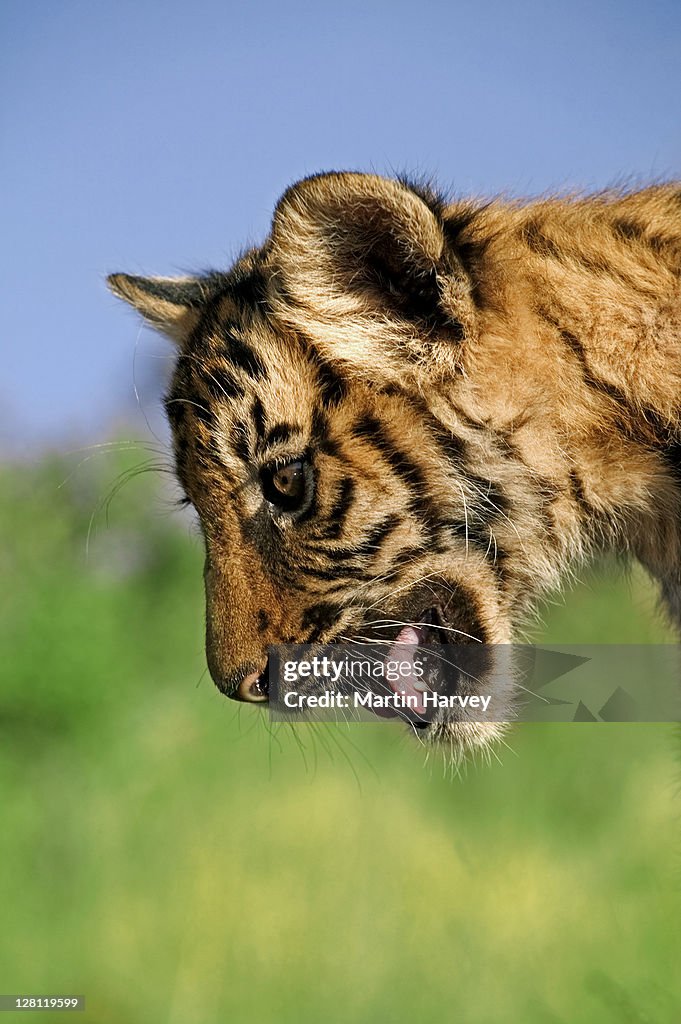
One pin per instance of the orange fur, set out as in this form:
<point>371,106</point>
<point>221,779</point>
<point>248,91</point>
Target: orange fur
<point>482,393</point>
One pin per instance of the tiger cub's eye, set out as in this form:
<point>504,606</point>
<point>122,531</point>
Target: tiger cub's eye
<point>284,486</point>
<point>290,480</point>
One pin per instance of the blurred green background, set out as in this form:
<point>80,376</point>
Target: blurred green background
<point>171,857</point>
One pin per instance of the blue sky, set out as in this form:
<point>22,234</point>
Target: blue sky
<point>156,137</point>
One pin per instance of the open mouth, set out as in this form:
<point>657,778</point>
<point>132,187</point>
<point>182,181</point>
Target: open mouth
<point>421,669</point>
<point>431,627</point>
<point>416,659</point>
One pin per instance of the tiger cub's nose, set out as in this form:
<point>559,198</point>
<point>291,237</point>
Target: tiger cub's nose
<point>255,687</point>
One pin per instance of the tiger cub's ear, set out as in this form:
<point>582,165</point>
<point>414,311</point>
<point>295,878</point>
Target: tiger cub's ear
<point>171,305</point>
<point>348,244</point>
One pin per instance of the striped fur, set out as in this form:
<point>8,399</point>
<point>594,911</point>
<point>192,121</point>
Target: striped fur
<point>487,393</point>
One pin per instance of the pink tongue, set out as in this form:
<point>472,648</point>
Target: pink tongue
<point>408,637</point>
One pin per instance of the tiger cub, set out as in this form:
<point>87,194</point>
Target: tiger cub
<point>406,417</point>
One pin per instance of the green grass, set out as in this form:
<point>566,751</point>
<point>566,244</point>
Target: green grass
<point>167,856</point>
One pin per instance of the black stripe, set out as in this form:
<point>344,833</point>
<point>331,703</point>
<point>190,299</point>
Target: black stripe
<point>499,558</point>
<point>462,612</point>
<point>378,534</point>
<point>369,546</point>
<point>239,440</point>
<point>591,379</point>
<point>370,429</point>
<point>263,620</point>
<point>221,383</point>
<point>577,491</point>
<point>248,287</point>
<point>409,472</point>
<point>324,615</point>
<point>407,556</point>
<point>205,451</point>
<point>480,537</point>
<point>183,372</point>
<point>202,413</point>
<point>632,425</point>
<point>634,232</point>
<point>330,447</point>
<point>468,420</point>
<point>490,494</point>
<point>340,509</point>
<point>175,411</point>
<point>477,534</point>
<point>206,328</point>
<point>258,417</point>
<point>279,432</point>
<point>241,355</point>
<point>330,383</point>
<point>672,457</point>
<point>643,426</point>
<point>546,513</point>
<point>628,229</point>
<point>181,452</point>
<point>535,239</point>
<point>296,582</point>
<point>452,448</point>
<point>427,514</point>
<point>341,573</point>
<point>541,244</point>
<point>320,425</point>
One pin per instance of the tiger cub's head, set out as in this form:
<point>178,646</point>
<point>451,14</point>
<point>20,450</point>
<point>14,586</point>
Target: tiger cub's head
<point>323,410</point>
